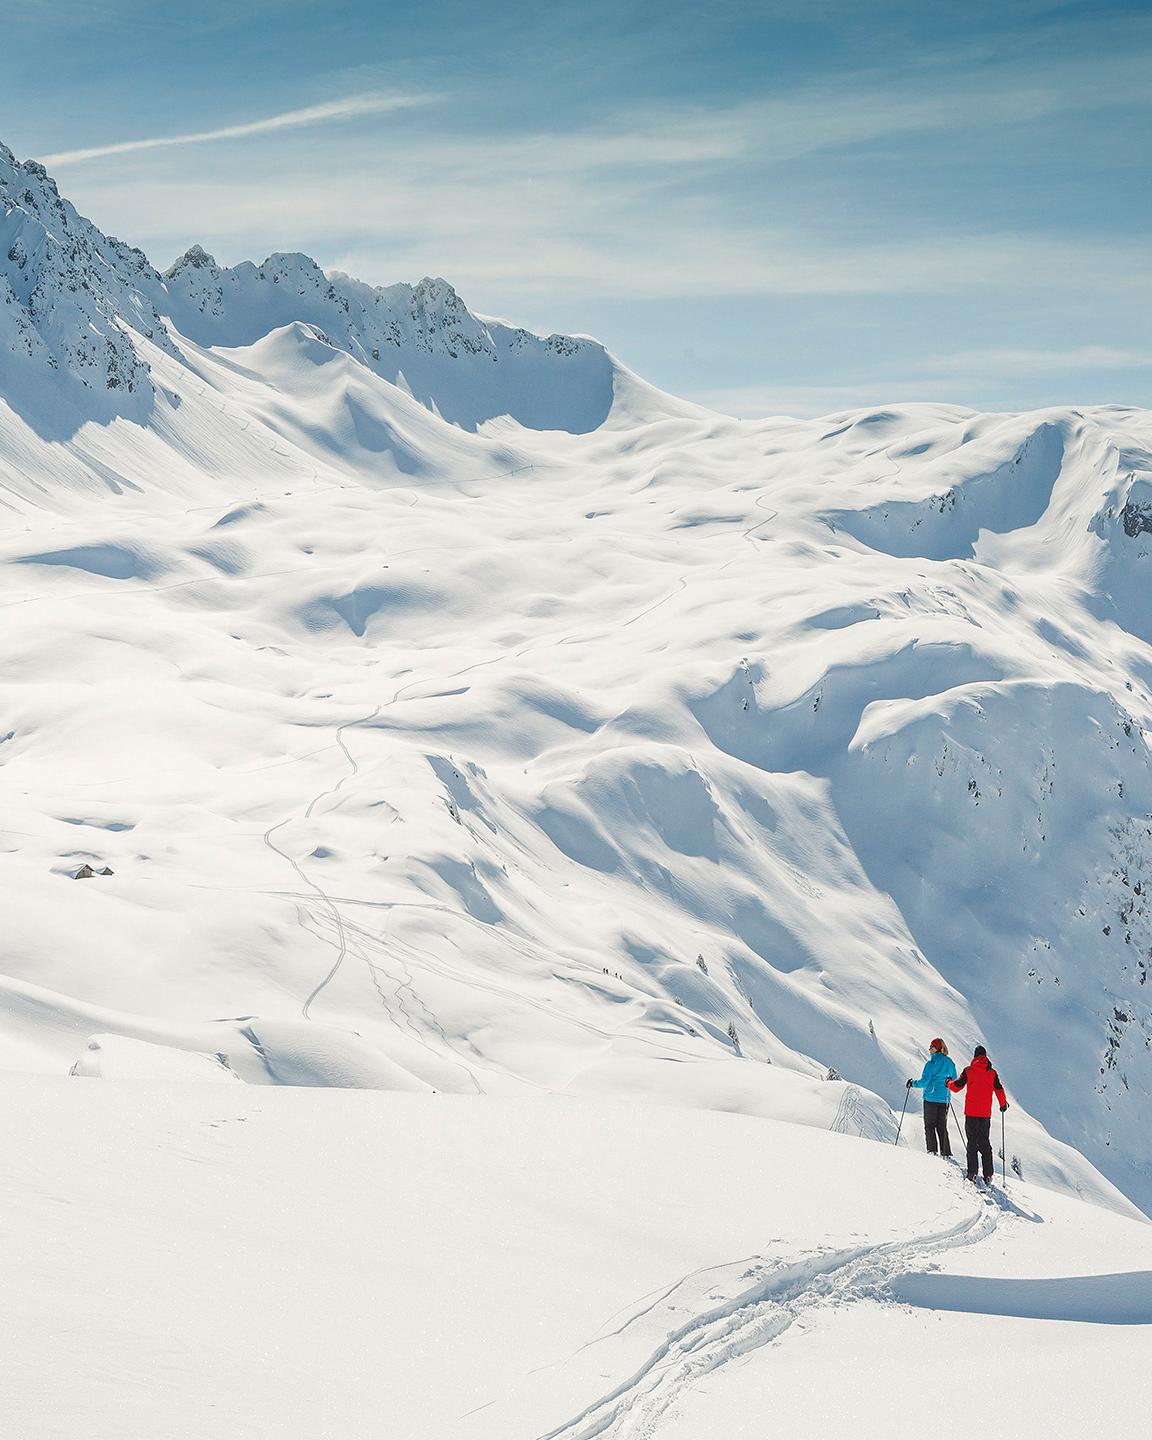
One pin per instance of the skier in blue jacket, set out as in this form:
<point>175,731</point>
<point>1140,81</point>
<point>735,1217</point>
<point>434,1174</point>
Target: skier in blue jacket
<point>938,1070</point>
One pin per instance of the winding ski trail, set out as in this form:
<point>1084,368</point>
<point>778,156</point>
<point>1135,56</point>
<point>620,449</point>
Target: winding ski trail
<point>305,879</point>
<point>747,1319</point>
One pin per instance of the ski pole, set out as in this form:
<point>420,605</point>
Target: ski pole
<point>1003,1154</point>
<point>907,1092</point>
<point>959,1131</point>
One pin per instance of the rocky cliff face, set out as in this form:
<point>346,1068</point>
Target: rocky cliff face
<point>70,297</point>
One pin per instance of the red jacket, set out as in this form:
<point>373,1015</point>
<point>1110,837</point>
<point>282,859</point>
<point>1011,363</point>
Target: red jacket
<point>981,1082</point>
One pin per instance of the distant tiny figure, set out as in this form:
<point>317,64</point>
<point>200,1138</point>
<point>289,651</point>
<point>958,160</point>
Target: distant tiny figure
<point>981,1083</point>
<point>939,1072</point>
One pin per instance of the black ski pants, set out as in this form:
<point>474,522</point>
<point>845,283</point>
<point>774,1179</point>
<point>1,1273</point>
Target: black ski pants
<point>978,1129</point>
<point>936,1127</point>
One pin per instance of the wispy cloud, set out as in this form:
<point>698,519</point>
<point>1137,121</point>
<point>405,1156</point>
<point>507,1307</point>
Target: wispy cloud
<point>658,201</point>
<point>663,200</point>
<point>1004,361</point>
<point>350,108</point>
<point>503,223</point>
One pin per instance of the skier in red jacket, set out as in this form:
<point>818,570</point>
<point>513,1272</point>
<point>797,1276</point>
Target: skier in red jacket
<point>981,1083</point>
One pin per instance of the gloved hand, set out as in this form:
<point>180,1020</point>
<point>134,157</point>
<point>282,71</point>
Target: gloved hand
<point>1003,1107</point>
<point>908,1086</point>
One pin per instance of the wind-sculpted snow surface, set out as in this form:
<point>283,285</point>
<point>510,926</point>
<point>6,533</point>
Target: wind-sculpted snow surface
<point>323,1265</point>
<point>649,752</point>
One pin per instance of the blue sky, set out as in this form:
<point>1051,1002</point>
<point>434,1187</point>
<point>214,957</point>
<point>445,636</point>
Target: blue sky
<point>790,205</point>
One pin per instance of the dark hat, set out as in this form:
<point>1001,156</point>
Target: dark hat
<point>979,1051</point>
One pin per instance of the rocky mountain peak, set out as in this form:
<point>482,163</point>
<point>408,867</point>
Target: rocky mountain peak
<point>194,258</point>
<point>70,296</point>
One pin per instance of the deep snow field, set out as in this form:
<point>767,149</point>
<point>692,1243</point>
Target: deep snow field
<point>327,1264</point>
<point>503,769</point>
<point>551,764</point>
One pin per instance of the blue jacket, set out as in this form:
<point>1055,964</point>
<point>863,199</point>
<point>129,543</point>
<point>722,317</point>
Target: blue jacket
<point>934,1081</point>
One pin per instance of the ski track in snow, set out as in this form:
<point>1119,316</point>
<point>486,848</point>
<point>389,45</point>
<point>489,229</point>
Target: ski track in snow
<point>751,1319</point>
<point>340,941</point>
<point>516,997</point>
<point>342,946</point>
<point>407,984</point>
<point>853,1118</point>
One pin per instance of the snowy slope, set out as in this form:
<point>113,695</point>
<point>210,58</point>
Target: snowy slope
<point>217,1260</point>
<point>590,743</point>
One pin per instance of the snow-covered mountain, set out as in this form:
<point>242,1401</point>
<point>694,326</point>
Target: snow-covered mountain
<point>460,713</point>
<point>81,303</point>
<point>406,334</point>
<point>73,298</point>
